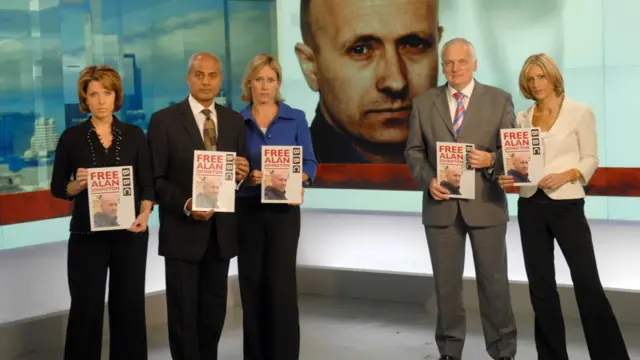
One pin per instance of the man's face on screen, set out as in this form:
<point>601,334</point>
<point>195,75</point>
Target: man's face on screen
<point>279,180</point>
<point>454,176</point>
<point>372,58</point>
<point>521,163</point>
<point>211,188</point>
<point>109,205</point>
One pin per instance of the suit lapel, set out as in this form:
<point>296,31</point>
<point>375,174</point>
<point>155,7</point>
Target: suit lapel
<point>442,105</point>
<point>190,125</point>
<point>473,108</point>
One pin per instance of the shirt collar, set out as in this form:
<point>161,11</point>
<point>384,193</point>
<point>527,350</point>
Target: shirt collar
<point>466,91</point>
<point>196,107</point>
<point>285,112</point>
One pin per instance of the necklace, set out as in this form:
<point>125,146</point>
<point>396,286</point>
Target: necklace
<point>115,143</point>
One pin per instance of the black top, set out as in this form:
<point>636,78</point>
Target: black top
<point>80,147</point>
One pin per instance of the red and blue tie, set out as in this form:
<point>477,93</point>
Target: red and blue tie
<point>459,115</point>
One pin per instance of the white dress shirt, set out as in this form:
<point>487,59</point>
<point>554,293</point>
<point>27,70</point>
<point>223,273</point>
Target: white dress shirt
<point>571,143</point>
<point>453,102</point>
<point>197,108</point>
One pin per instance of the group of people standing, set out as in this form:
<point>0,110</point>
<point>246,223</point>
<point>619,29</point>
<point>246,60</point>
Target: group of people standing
<point>197,246</point>
<point>466,111</point>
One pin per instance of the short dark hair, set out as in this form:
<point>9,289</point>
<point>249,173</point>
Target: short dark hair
<point>105,75</point>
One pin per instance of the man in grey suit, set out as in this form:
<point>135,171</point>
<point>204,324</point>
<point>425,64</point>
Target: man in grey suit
<point>465,111</point>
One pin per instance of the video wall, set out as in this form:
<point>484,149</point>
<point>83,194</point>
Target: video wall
<point>346,61</point>
<point>45,44</point>
<point>362,59</point>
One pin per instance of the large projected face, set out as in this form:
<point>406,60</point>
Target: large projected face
<point>368,59</point>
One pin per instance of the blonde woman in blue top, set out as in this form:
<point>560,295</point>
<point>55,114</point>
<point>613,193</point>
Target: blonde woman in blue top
<point>268,233</point>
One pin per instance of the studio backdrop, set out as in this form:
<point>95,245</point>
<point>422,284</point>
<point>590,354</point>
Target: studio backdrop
<point>353,66</point>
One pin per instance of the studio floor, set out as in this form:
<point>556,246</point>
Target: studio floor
<point>351,329</point>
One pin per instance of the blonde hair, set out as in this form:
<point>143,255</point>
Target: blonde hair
<point>253,67</point>
<point>550,70</point>
<point>105,75</point>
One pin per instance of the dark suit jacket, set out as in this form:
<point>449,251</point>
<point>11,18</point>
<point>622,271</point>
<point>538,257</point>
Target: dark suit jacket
<point>490,109</point>
<point>173,136</point>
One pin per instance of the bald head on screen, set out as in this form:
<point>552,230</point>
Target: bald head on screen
<point>367,59</point>
<point>108,213</point>
<point>520,167</point>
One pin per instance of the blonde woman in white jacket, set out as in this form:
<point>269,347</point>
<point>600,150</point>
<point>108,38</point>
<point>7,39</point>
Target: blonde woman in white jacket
<point>554,209</point>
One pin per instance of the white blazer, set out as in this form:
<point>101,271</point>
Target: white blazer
<point>570,143</point>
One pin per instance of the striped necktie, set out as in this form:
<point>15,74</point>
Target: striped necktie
<point>209,133</point>
<point>459,115</point>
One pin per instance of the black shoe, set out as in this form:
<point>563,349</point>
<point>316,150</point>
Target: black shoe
<point>506,358</point>
<point>447,357</point>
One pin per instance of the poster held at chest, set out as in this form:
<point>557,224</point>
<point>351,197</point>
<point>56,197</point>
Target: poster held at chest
<point>214,186</point>
<point>111,198</point>
<point>281,174</point>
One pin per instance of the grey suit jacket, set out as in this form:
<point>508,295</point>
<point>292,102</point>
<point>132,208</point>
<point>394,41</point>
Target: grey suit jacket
<point>489,110</point>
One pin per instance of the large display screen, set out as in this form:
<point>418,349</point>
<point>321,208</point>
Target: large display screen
<point>353,66</point>
<point>44,45</point>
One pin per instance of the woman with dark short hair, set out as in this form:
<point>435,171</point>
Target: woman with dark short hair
<point>104,141</point>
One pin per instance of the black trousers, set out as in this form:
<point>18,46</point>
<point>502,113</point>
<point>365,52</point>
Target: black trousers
<point>542,219</point>
<point>196,304</point>
<point>90,256</point>
<point>268,246</point>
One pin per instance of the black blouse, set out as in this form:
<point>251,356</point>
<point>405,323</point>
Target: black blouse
<point>80,147</point>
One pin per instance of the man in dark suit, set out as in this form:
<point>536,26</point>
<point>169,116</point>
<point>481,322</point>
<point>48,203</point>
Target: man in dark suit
<point>465,111</point>
<point>197,246</point>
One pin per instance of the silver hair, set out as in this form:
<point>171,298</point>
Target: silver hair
<point>454,41</point>
<point>193,58</point>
